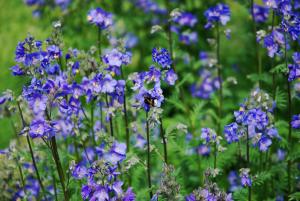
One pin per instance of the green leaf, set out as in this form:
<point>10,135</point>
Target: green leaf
<point>280,68</point>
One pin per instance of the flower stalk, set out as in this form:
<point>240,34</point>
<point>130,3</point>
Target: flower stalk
<point>148,157</point>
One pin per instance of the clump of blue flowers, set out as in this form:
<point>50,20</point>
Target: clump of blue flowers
<point>255,116</point>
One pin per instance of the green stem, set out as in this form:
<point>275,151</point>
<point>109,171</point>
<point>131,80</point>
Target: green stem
<point>148,157</point>
<point>162,133</point>
<point>92,122</point>
<point>248,161</point>
<point>31,153</point>
<point>99,41</point>
<point>289,117</point>
<point>125,115</point>
<point>110,118</point>
<point>220,108</point>
<point>59,167</point>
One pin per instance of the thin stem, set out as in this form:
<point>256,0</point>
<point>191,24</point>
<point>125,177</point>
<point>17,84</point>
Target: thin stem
<point>99,41</point>
<point>59,167</point>
<point>92,122</point>
<point>220,109</point>
<point>31,153</point>
<point>54,186</point>
<point>148,157</point>
<point>110,119</point>
<point>162,132</point>
<point>289,116</point>
<point>248,161</point>
<point>21,175</point>
<point>54,151</point>
<point>125,115</point>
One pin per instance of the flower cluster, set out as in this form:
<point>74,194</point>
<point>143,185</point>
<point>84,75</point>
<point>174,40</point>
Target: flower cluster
<point>218,14</point>
<point>261,13</point>
<point>100,18</point>
<point>183,22</point>
<point>255,118</point>
<point>148,84</point>
<point>185,19</point>
<point>245,178</point>
<point>39,5</point>
<point>294,69</point>
<point>100,169</point>
<point>296,121</point>
<point>149,6</point>
<point>114,59</point>
<point>210,191</point>
<point>234,181</point>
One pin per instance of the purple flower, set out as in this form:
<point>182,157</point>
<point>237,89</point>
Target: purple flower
<point>261,13</point>
<point>208,135</point>
<point>108,84</point>
<point>231,132</point>
<point>294,72</point>
<point>117,187</point>
<point>186,19</point>
<point>54,51</point>
<point>203,150</point>
<point>40,128</point>
<point>207,86</point>
<point>218,14</point>
<point>86,192</point>
<point>188,37</point>
<point>280,154</point>
<point>140,141</point>
<point>117,153</point>
<point>245,178</point>
<point>17,71</point>
<point>100,18</point>
<point>79,171</point>
<point>190,197</point>
<point>264,143</point>
<point>161,57</point>
<point>115,59</point>
<point>100,194</point>
<point>171,77</point>
<point>296,121</point>
<point>273,42</point>
<point>129,195</point>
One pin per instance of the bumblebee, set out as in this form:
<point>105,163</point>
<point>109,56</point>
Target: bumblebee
<point>149,100</point>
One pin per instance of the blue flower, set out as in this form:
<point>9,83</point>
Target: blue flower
<point>296,121</point>
<point>264,143</point>
<point>171,77</point>
<point>203,150</point>
<point>54,51</point>
<point>17,71</point>
<point>218,14</point>
<point>231,132</point>
<point>161,57</point>
<point>186,19</point>
<point>208,135</point>
<point>188,37</point>
<point>245,178</point>
<point>117,153</point>
<point>115,59</point>
<point>40,128</point>
<point>100,18</point>
<point>261,13</point>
